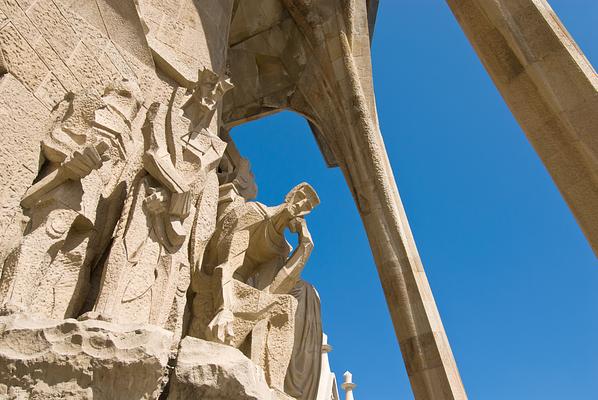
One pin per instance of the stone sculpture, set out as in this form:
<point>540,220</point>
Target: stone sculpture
<point>303,375</point>
<point>164,229</point>
<point>242,291</point>
<point>114,231</point>
<point>82,160</point>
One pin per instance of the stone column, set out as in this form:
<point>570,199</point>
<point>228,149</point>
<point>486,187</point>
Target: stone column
<point>327,388</point>
<point>550,87</point>
<point>426,350</point>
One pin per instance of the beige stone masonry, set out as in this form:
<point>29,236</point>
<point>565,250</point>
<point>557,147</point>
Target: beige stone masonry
<point>550,87</point>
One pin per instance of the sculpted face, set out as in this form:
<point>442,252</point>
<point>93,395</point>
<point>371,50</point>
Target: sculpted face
<point>301,200</point>
<point>300,205</point>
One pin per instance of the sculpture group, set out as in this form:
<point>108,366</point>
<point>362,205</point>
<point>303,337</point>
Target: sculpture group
<point>131,210</point>
<point>133,197</point>
<point>134,261</point>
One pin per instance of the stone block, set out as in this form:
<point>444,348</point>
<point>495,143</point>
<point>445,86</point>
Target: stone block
<point>124,28</point>
<point>94,37</point>
<point>25,4</point>
<point>53,61</point>
<point>48,359</point>
<point>20,20</point>
<point>21,131</point>
<point>211,371</point>
<point>21,59</point>
<point>3,18</point>
<point>55,28</point>
<point>50,92</point>
<point>87,69</point>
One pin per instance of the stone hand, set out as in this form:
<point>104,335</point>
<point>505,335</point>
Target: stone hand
<point>294,225</point>
<point>180,204</point>
<point>75,167</point>
<point>221,327</point>
<point>156,201</point>
<point>80,164</point>
<point>299,225</point>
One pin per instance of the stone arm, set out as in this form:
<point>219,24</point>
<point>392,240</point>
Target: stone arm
<point>160,167</point>
<point>233,254</point>
<point>71,147</point>
<point>158,163</point>
<point>289,274</point>
<point>71,165</point>
<point>213,155</point>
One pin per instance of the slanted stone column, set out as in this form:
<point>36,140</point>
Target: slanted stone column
<point>326,67</point>
<point>550,87</point>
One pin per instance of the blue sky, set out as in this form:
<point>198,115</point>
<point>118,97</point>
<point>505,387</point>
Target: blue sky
<point>514,278</point>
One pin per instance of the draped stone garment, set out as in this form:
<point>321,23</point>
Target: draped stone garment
<point>303,375</point>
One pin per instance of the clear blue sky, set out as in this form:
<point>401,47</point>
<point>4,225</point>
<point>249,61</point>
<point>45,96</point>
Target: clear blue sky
<point>514,278</point>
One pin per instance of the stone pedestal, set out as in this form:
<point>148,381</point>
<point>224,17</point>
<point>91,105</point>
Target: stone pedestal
<point>211,371</point>
<point>48,359</point>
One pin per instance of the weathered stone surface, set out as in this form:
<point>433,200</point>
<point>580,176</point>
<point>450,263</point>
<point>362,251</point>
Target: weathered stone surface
<point>48,359</point>
<point>303,375</point>
<point>22,129</point>
<point>48,272</point>
<point>315,60</point>
<point>124,236</point>
<point>212,371</point>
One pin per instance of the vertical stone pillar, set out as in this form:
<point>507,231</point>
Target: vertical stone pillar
<point>327,387</point>
<point>426,351</point>
<point>550,87</point>
<point>348,386</point>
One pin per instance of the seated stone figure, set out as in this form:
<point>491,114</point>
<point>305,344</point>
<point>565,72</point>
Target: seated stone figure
<point>242,292</point>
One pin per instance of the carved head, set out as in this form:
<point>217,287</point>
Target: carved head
<point>205,95</point>
<point>245,180</point>
<point>83,114</point>
<point>301,200</point>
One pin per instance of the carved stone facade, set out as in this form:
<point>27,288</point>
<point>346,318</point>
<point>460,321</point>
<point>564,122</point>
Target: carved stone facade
<point>135,263</point>
<point>127,222</point>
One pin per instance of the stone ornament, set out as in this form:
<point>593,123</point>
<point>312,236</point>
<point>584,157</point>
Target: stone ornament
<point>127,208</point>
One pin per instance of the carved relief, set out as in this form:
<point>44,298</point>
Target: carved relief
<point>141,200</point>
<point>83,154</point>
<point>170,214</point>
